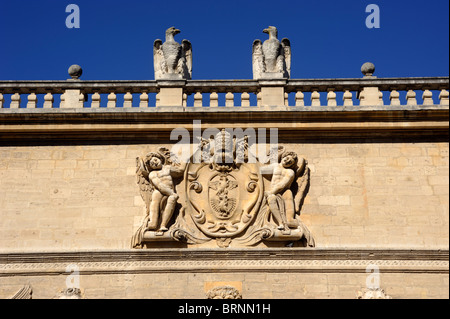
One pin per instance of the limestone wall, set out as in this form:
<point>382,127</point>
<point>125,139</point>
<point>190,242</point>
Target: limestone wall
<point>254,285</point>
<point>362,194</point>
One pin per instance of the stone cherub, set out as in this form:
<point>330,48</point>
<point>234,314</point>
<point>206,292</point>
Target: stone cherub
<point>155,174</point>
<point>172,60</point>
<point>271,59</point>
<point>290,177</point>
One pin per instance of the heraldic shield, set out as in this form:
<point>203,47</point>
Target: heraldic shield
<point>223,200</point>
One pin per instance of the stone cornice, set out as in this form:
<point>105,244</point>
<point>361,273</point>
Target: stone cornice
<point>191,86</point>
<point>136,123</point>
<point>220,260</point>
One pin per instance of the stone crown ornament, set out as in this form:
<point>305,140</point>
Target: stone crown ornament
<point>271,59</point>
<point>172,60</point>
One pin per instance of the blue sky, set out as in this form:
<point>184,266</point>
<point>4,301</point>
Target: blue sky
<point>329,39</point>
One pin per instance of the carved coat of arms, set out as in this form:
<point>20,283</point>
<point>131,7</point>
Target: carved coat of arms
<point>222,194</point>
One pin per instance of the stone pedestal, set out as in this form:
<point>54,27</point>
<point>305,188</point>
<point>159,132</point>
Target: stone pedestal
<point>371,96</point>
<point>272,92</point>
<point>171,91</point>
<point>171,97</point>
<point>72,99</point>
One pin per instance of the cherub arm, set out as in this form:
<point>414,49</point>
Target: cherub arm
<point>178,171</point>
<point>268,170</point>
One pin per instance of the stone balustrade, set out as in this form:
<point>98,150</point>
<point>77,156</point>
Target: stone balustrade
<point>286,93</point>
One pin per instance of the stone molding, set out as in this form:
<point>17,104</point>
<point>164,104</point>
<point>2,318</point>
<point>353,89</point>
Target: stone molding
<point>312,122</point>
<point>295,260</point>
<point>223,86</point>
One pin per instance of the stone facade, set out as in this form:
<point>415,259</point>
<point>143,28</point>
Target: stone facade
<point>375,205</point>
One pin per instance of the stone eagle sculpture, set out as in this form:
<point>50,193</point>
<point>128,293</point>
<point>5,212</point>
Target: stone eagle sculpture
<point>172,60</point>
<point>271,59</point>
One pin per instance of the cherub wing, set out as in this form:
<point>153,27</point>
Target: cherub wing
<point>302,184</point>
<point>187,53</point>
<point>146,187</point>
<point>257,59</point>
<point>158,59</point>
<point>286,44</point>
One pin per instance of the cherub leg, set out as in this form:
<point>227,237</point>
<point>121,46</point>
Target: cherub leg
<point>154,210</point>
<point>168,211</point>
<point>290,209</point>
<point>275,210</point>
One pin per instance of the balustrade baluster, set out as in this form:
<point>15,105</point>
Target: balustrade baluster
<point>112,100</point>
<point>315,98</point>
<point>158,99</point>
<point>411,98</point>
<point>427,97</point>
<point>32,101</point>
<point>2,101</point>
<point>63,101</point>
<point>128,100</point>
<point>198,99</point>
<point>96,99</point>
<point>395,97</point>
<point>258,98</point>
<point>213,99</point>
<point>286,99</point>
<point>229,99</point>
<point>245,99</point>
<point>443,97</point>
<point>185,97</point>
<point>82,99</point>
<point>48,101</point>
<point>348,98</point>
<point>331,98</point>
<point>299,99</point>
<point>15,101</point>
<point>143,99</point>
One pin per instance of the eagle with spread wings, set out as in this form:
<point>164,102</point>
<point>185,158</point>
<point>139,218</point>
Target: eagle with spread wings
<point>172,57</point>
<point>272,56</point>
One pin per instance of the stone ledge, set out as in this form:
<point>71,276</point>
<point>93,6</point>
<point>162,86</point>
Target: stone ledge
<point>226,109</point>
<point>226,254</point>
<point>295,260</point>
<point>285,266</point>
<point>141,125</point>
<point>282,117</point>
<point>292,85</point>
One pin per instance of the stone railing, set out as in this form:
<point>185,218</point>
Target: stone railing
<point>366,91</point>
